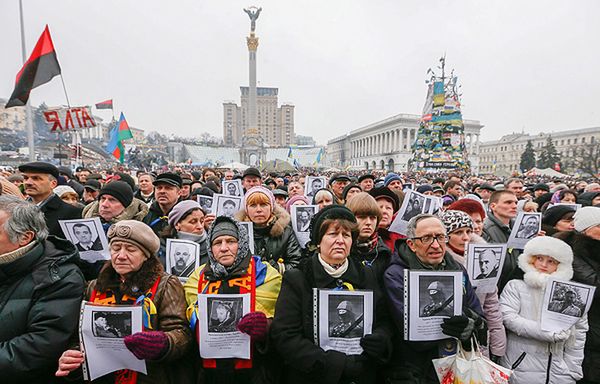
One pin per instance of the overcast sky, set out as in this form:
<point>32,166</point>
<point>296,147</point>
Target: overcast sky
<point>169,65</point>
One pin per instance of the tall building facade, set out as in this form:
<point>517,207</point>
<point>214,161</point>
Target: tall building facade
<point>12,118</point>
<point>274,123</point>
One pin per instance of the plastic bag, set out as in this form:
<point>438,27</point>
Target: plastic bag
<point>470,368</point>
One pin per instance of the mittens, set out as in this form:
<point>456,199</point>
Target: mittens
<point>148,345</point>
<point>254,324</point>
<point>461,327</point>
<point>376,346</point>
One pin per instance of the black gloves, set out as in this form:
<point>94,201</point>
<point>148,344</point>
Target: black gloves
<point>461,327</point>
<point>354,366</point>
<point>377,346</point>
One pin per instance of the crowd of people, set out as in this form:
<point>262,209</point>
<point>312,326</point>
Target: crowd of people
<point>351,247</point>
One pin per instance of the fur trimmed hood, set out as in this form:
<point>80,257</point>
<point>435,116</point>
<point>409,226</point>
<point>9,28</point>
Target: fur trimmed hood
<point>546,246</point>
<point>137,210</point>
<point>279,220</point>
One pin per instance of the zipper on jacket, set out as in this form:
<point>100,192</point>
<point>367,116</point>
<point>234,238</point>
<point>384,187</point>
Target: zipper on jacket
<point>548,368</point>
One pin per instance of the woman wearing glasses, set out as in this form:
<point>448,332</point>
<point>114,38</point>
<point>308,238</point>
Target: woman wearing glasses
<point>425,248</point>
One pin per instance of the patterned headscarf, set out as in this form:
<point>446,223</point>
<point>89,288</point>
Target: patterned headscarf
<point>219,271</point>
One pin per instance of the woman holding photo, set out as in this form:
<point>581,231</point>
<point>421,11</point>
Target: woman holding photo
<point>274,239</point>
<point>334,229</point>
<point>135,273</point>
<point>535,355</point>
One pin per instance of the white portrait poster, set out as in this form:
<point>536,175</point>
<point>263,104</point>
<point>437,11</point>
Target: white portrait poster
<point>88,237</point>
<point>526,227</point>
<point>225,205</point>
<point>101,330</point>
<point>205,202</point>
<point>413,205</point>
<point>218,319</point>
<point>250,230</point>
<point>484,265</point>
<point>312,184</point>
<point>565,302</point>
<point>182,258</point>
<point>342,318</point>
<point>233,188</point>
<point>301,217</point>
<point>429,298</point>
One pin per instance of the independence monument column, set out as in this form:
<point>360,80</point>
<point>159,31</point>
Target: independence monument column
<point>252,42</point>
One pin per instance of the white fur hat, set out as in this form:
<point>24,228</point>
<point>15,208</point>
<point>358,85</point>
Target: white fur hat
<point>586,217</point>
<point>548,246</point>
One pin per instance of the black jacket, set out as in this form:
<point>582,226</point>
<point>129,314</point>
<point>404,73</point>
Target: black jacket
<point>156,219</point>
<point>292,328</point>
<point>40,297</point>
<point>377,258</point>
<point>586,269</point>
<point>55,209</point>
<point>496,232</point>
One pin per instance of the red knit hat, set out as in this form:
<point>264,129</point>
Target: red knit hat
<point>469,206</point>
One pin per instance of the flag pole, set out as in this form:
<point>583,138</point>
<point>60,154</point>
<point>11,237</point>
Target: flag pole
<point>65,89</point>
<point>29,118</point>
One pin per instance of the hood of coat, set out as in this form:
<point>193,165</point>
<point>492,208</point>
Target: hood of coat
<point>546,246</point>
<point>137,210</point>
<point>277,226</point>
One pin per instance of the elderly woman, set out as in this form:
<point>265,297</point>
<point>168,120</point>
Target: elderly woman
<point>135,272</point>
<point>274,239</point>
<point>558,218</point>
<point>333,231</point>
<point>324,197</point>
<point>229,260</point>
<point>369,247</point>
<point>459,227</point>
<point>186,222</point>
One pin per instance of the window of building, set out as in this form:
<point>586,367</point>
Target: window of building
<point>575,141</point>
<point>568,141</point>
<point>583,140</point>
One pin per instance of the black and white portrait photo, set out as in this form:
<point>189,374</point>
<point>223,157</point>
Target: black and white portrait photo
<point>224,314</point>
<point>436,296</point>
<point>233,188</point>
<point>346,316</point>
<point>488,262</point>
<point>87,237</point>
<point>111,324</point>
<point>224,205</point>
<point>182,257</point>
<point>414,207</point>
<point>312,184</point>
<point>529,227</point>
<point>568,299</point>
<point>303,216</point>
<point>206,203</point>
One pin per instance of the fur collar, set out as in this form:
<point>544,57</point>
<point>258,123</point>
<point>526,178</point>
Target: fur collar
<point>536,279</point>
<point>136,284</point>
<point>137,210</point>
<point>282,219</point>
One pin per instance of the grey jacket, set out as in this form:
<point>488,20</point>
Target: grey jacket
<point>496,232</point>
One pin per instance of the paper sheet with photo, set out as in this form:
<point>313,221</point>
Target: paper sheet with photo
<point>412,205</point>
<point>233,187</point>
<point>565,302</point>
<point>342,318</point>
<point>301,216</point>
<point>312,184</point>
<point>432,204</point>
<point>250,230</point>
<point>205,202</point>
<point>218,318</point>
<point>225,205</point>
<point>182,258</point>
<point>101,331</point>
<point>526,227</point>
<point>484,265</point>
<point>429,298</point>
<point>88,237</point>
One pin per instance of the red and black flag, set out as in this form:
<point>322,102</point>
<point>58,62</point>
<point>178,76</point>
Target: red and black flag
<point>39,69</point>
<point>106,104</point>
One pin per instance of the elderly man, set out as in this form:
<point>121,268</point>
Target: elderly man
<point>295,188</point>
<point>41,289</point>
<point>40,179</point>
<point>145,191</point>
<point>425,249</point>
<point>115,203</point>
<point>337,183</point>
<point>366,182</point>
<point>488,264</point>
<point>167,187</point>
<point>251,178</point>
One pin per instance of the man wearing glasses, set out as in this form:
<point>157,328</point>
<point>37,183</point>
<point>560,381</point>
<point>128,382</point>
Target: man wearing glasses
<point>425,249</point>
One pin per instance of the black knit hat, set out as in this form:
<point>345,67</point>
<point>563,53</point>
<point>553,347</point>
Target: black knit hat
<point>555,213</point>
<point>347,189</point>
<point>385,192</point>
<point>120,190</point>
<point>329,212</point>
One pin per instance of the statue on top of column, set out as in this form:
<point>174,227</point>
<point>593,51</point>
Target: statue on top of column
<point>253,13</point>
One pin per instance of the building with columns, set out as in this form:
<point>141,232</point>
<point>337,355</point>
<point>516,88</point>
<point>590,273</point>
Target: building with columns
<point>386,144</point>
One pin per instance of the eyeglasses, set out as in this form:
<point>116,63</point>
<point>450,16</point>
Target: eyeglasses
<point>428,239</point>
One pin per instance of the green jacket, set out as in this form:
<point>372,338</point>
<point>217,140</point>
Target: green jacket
<point>40,296</point>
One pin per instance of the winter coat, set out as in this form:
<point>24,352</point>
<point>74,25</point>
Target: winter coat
<point>55,209</point>
<point>491,308</point>
<point>586,269</point>
<point>496,232</point>
<point>532,353</point>
<point>377,258</point>
<point>156,218</point>
<point>276,243</point>
<point>174,366</point>
<point>292,331</point>
<point>413,358</point>
<point>40,295</point>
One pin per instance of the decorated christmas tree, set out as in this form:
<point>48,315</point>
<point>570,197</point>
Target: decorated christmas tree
<point>440,142</point>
